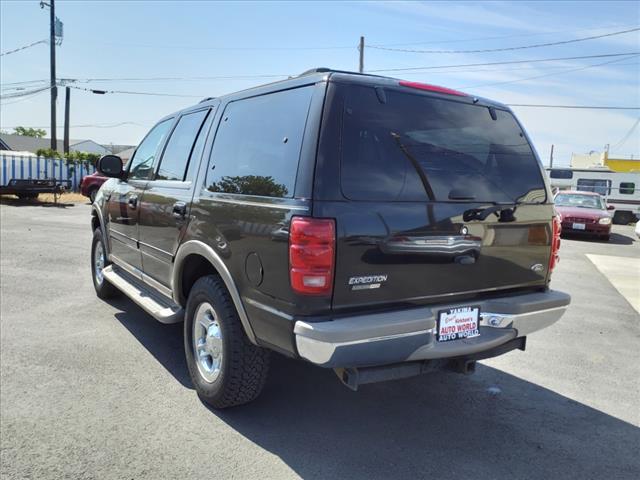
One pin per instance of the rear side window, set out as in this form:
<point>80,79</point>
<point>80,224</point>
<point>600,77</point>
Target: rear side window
<point>603,187</point>
<point>180,147</point>
<point>627,188</point>
<point>564,174</point>
<point>402,146</point>
<point>257,146</point>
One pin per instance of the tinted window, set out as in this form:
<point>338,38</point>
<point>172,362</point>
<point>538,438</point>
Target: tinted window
<point>566,174</point>
<point>196,153</point>
<point>143,159</point>
<point>627,188</point>
<point>257,146</point>
<point>179,149</point>
<point>603,187</point>
<point>405,146</point>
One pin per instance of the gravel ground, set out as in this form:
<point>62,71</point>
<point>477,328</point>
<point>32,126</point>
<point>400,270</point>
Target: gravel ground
<point>100,390</point>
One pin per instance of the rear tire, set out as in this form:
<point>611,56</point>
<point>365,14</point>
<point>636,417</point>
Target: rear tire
<point>99,261</point>
<point>623,218</point>
<point>225,367</point>
<point>27,196</point>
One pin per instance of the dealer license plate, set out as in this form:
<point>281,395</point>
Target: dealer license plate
<point>579,226</point>
<point>459,322</point>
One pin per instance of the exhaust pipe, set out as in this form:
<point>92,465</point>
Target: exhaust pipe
<point>353,377</point>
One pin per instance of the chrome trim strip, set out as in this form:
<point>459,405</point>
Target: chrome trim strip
<point>267,308</point>
<point>280,206</point>
<point>164,252</point>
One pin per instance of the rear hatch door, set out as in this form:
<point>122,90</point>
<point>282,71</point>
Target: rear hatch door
<point>436,197</point>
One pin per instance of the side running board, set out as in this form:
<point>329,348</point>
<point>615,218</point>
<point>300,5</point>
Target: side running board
<point>160,307</point>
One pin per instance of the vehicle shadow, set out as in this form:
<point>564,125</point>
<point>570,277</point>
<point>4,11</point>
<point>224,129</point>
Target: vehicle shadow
<point>619,239</point>
<point>489,425</point>
<point>164,342</point>
<point>16,202</point>
<point>615,238</point>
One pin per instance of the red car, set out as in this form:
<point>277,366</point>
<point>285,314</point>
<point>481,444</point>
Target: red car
<point>584,212</point>
<point>90,184</point>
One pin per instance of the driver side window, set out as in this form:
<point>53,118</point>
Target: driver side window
<point>143,161</point>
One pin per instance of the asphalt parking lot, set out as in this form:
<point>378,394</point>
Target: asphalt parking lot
<point>100,390</point>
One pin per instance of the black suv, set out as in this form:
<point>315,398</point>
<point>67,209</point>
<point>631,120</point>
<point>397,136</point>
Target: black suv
<point>379,227</point>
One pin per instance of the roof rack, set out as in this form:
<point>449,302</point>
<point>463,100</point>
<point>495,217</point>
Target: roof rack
<point>206,99</point>
<point>327,70</point>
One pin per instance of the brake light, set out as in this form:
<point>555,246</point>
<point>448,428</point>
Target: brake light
<point>431,88</point>
<point>555,243</point>
<point>312,255</point>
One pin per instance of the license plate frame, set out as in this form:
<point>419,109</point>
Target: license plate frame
<point>579,226</point>
<point>449,320</point>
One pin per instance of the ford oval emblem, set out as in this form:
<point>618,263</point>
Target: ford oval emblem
<point>537,267</point>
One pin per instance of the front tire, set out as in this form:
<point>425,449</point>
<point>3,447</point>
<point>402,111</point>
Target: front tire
<point>99,262</point>
<point>225,367</point>
<point>92,195</point>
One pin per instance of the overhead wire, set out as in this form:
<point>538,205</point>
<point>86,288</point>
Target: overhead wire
<point>507,49</point>
<point>509,62</point>
<point>15,50</point>
<point>548,74</point>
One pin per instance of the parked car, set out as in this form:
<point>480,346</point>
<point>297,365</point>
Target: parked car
<point>584,213</point>
<point>419,231</point>
<point>90,184</point>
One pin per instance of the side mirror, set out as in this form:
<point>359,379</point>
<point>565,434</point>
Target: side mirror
<point>110,166</point>
<point>610,207</point>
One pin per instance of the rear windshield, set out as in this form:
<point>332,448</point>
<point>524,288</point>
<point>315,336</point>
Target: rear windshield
<point>399,146</point>
<point>577,200</point>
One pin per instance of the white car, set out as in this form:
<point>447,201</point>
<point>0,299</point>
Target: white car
<point>638,229</point>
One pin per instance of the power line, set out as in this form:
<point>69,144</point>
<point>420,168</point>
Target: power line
<point>235,48</point>
<point>548,74</point>
<point>9,52</point>
<point>511,62</point>
<point>24,93</point>
<point>113,125</point>
<point>627,135</point>
<point>501,37</point>
<point>592,107</point>
<point>506,49</point>
<point>173,79</point>
<point>157,94</point>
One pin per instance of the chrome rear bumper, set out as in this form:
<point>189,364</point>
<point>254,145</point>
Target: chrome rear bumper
<point>409,335</point>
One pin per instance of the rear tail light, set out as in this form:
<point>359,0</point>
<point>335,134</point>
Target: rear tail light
<point>431,88</point>
<point>312,255</point>
<point>555,243</point>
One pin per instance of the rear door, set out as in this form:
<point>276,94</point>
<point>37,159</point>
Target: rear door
<point>165,204</point>
<point>123,205</point>
<point>434,197</point>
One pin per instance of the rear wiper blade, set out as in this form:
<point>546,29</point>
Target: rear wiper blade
<point>504,211</point>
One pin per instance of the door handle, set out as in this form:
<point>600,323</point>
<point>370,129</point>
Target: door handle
<point>133,201</point>
<point>179,210</point>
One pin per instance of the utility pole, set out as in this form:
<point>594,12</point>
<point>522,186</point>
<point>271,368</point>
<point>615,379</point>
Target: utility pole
<point>52,55</point>
<point>67,101</point>
<point>551,157</point>
<point>361,48</point>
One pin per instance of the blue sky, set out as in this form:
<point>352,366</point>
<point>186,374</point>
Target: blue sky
<point>141,39</point>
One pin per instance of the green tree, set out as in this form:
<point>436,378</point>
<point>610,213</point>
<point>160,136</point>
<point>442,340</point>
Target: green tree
<point>29,132</point>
